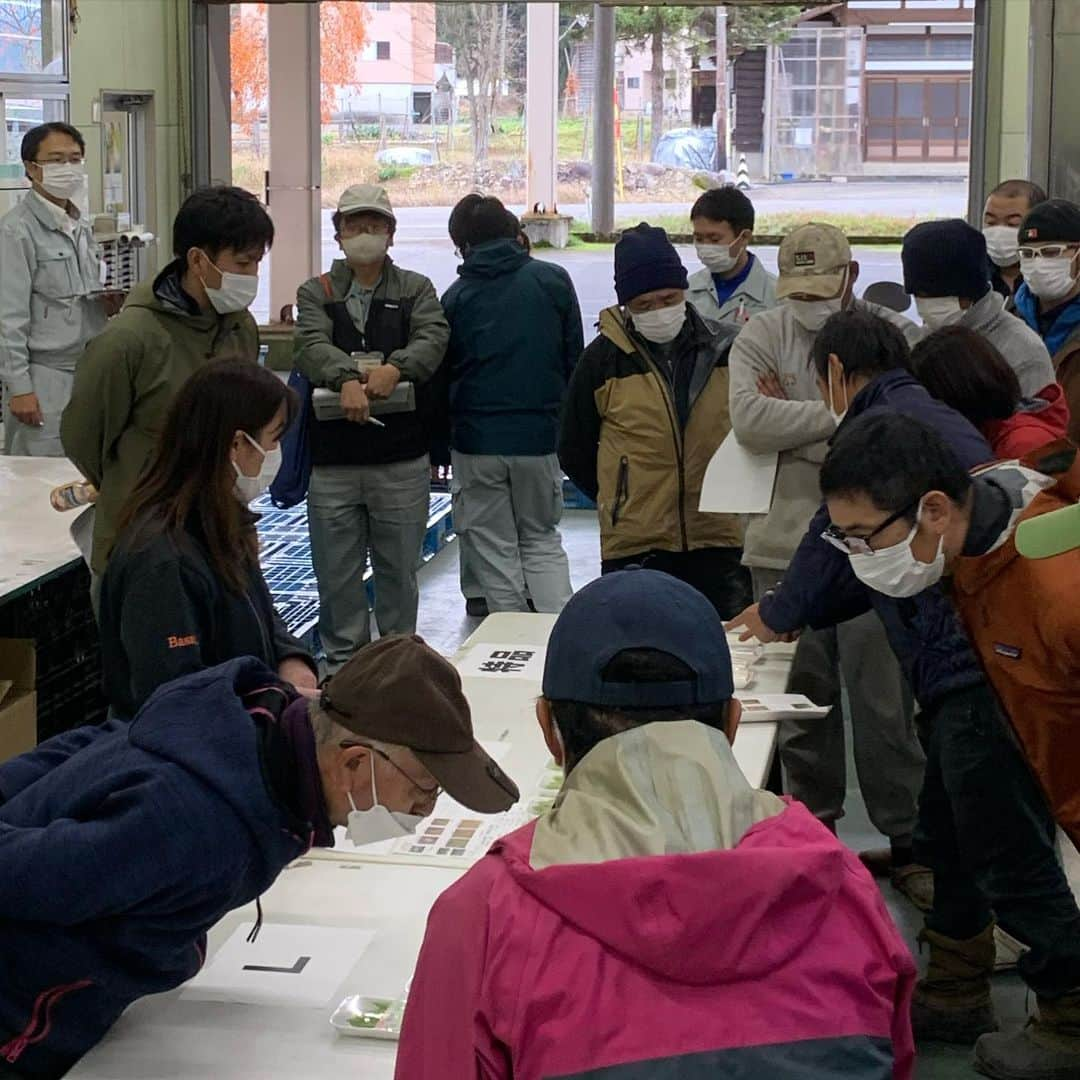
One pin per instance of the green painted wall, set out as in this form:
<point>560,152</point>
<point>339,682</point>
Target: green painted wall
<point>132,45</point>
<point>1012,159</point>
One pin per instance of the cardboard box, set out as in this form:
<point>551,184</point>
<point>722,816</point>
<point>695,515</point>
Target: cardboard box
<point>18,703</point>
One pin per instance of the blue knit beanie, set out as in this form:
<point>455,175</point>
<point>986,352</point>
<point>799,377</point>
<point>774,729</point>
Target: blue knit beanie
<point>644,262</point>
<point>945,258</point>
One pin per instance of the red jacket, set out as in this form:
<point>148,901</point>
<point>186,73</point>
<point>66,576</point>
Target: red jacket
<point>774,959</point>
<point>1038,421</point>
<point>1023,617</point>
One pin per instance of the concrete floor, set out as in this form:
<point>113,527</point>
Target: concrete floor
<point>444,624</point>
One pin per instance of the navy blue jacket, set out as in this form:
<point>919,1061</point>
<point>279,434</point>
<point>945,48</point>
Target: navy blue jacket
<point>820,589</point>
<point>515,336</point>
<point>120,846</point>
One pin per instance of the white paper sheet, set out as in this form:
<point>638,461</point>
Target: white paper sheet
<point>738,481</point>
<point>773,707</point>
<point>82,532</point>
<point>300,965</point>
<point>490,661</point>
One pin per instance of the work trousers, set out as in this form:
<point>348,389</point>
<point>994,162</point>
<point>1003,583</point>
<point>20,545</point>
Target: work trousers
<point>354,510</point>
<point>506,514</point>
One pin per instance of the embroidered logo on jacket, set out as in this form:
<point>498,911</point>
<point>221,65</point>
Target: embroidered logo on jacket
<point>1010,652</point>
<point>183,642</point>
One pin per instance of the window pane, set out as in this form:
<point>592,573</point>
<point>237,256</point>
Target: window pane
<point>942,100</point>
<point>881,99</point>
<point>909,99</point>
<point>879,47</point>
<point>801,72</point>
<point>19,116</point>
<point>832,73</point>
<point>950,48</point>
<point>32,37</point>
<point>382,50</point>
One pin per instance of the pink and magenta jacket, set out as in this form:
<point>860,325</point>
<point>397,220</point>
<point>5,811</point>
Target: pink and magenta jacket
<point>776,959</point>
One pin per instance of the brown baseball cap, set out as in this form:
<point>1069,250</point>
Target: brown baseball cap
<point>812,260</point>
<point>399,690</point>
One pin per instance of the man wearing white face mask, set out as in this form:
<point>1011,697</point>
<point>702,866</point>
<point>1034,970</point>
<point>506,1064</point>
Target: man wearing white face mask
<point>945,269</point>
<point>1049,299</point>
<point>193,312</point>
<point>370,483</point>
<point>734,285</point>
<point>1006,207</point>
<point>125,843</point>
<point>645,411</point>
<point>51,303</point>
<point>1003,760</point>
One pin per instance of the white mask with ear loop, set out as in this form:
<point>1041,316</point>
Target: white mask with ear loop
<point>894,571</point>
<point>249,488</point>
<point>376,824</point>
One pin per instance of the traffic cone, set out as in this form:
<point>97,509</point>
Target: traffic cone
<point>742,179</point>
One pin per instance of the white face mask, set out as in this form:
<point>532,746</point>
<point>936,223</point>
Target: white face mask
<point>1049,279</point>
<point>837,416</point>
<point>894,571</point>
<point>365,249</point>
<point>1002,244</point>
<point>237,292</point>
<point>377,824</point>
<point>249,488</point>
<point>662,325</point>
<point>812,315</point>
<point>718,258</point>
<point>63,181</point>
<point>939,311</point>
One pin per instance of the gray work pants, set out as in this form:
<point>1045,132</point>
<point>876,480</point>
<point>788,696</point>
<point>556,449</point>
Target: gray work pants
<point>508,509</point>
<point>53,389</point>
<point>354,509</point>
<point>889,760</point>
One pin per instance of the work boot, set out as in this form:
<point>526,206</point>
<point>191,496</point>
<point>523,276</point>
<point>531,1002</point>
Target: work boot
<point>1047,1049</point>
<point>952,1001</point>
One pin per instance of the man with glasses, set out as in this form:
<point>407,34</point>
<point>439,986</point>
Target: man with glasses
<point>360,330</point>
<point>1049,299</point>
<point>1003,762</point>
<point>51,299</point>
<point>122,845</point>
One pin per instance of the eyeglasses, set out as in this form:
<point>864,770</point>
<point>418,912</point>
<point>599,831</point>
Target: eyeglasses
<point>61,159</point>
<point>430,794</point>
<point>860,545</point>
<point>1047,251</point>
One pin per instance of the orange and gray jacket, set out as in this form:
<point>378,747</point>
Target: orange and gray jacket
<point>622,442</point>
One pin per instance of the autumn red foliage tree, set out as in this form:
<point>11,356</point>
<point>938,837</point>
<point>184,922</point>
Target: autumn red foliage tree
<point>342,33</point>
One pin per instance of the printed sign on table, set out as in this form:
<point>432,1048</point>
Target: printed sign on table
<point>503,662</point>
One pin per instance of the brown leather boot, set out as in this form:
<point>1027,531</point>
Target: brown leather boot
<point>1047,1049</point>
<point>952,1001</point>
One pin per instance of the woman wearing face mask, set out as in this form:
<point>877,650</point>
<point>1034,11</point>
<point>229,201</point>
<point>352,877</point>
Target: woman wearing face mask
<point>1049,299</point>
<point>184,590</point>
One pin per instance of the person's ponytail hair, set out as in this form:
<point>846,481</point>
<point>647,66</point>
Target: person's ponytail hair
<point>190,481</point>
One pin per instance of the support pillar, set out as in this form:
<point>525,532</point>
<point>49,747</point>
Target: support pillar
<point>294,182</point>
<point>542,221</point>
<point>603,110</point>
<point>211,77</point>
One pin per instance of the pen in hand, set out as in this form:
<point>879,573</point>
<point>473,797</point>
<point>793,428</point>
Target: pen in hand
<point>377,423</point>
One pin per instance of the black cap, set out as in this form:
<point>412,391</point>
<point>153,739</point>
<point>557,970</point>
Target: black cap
<point>1054,221</point>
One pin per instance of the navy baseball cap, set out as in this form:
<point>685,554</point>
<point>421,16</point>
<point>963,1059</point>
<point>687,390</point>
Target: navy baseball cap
<point>637,609</point>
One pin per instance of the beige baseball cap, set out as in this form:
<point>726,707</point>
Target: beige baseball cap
<point>813,259</point>
<point>366,197</point>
